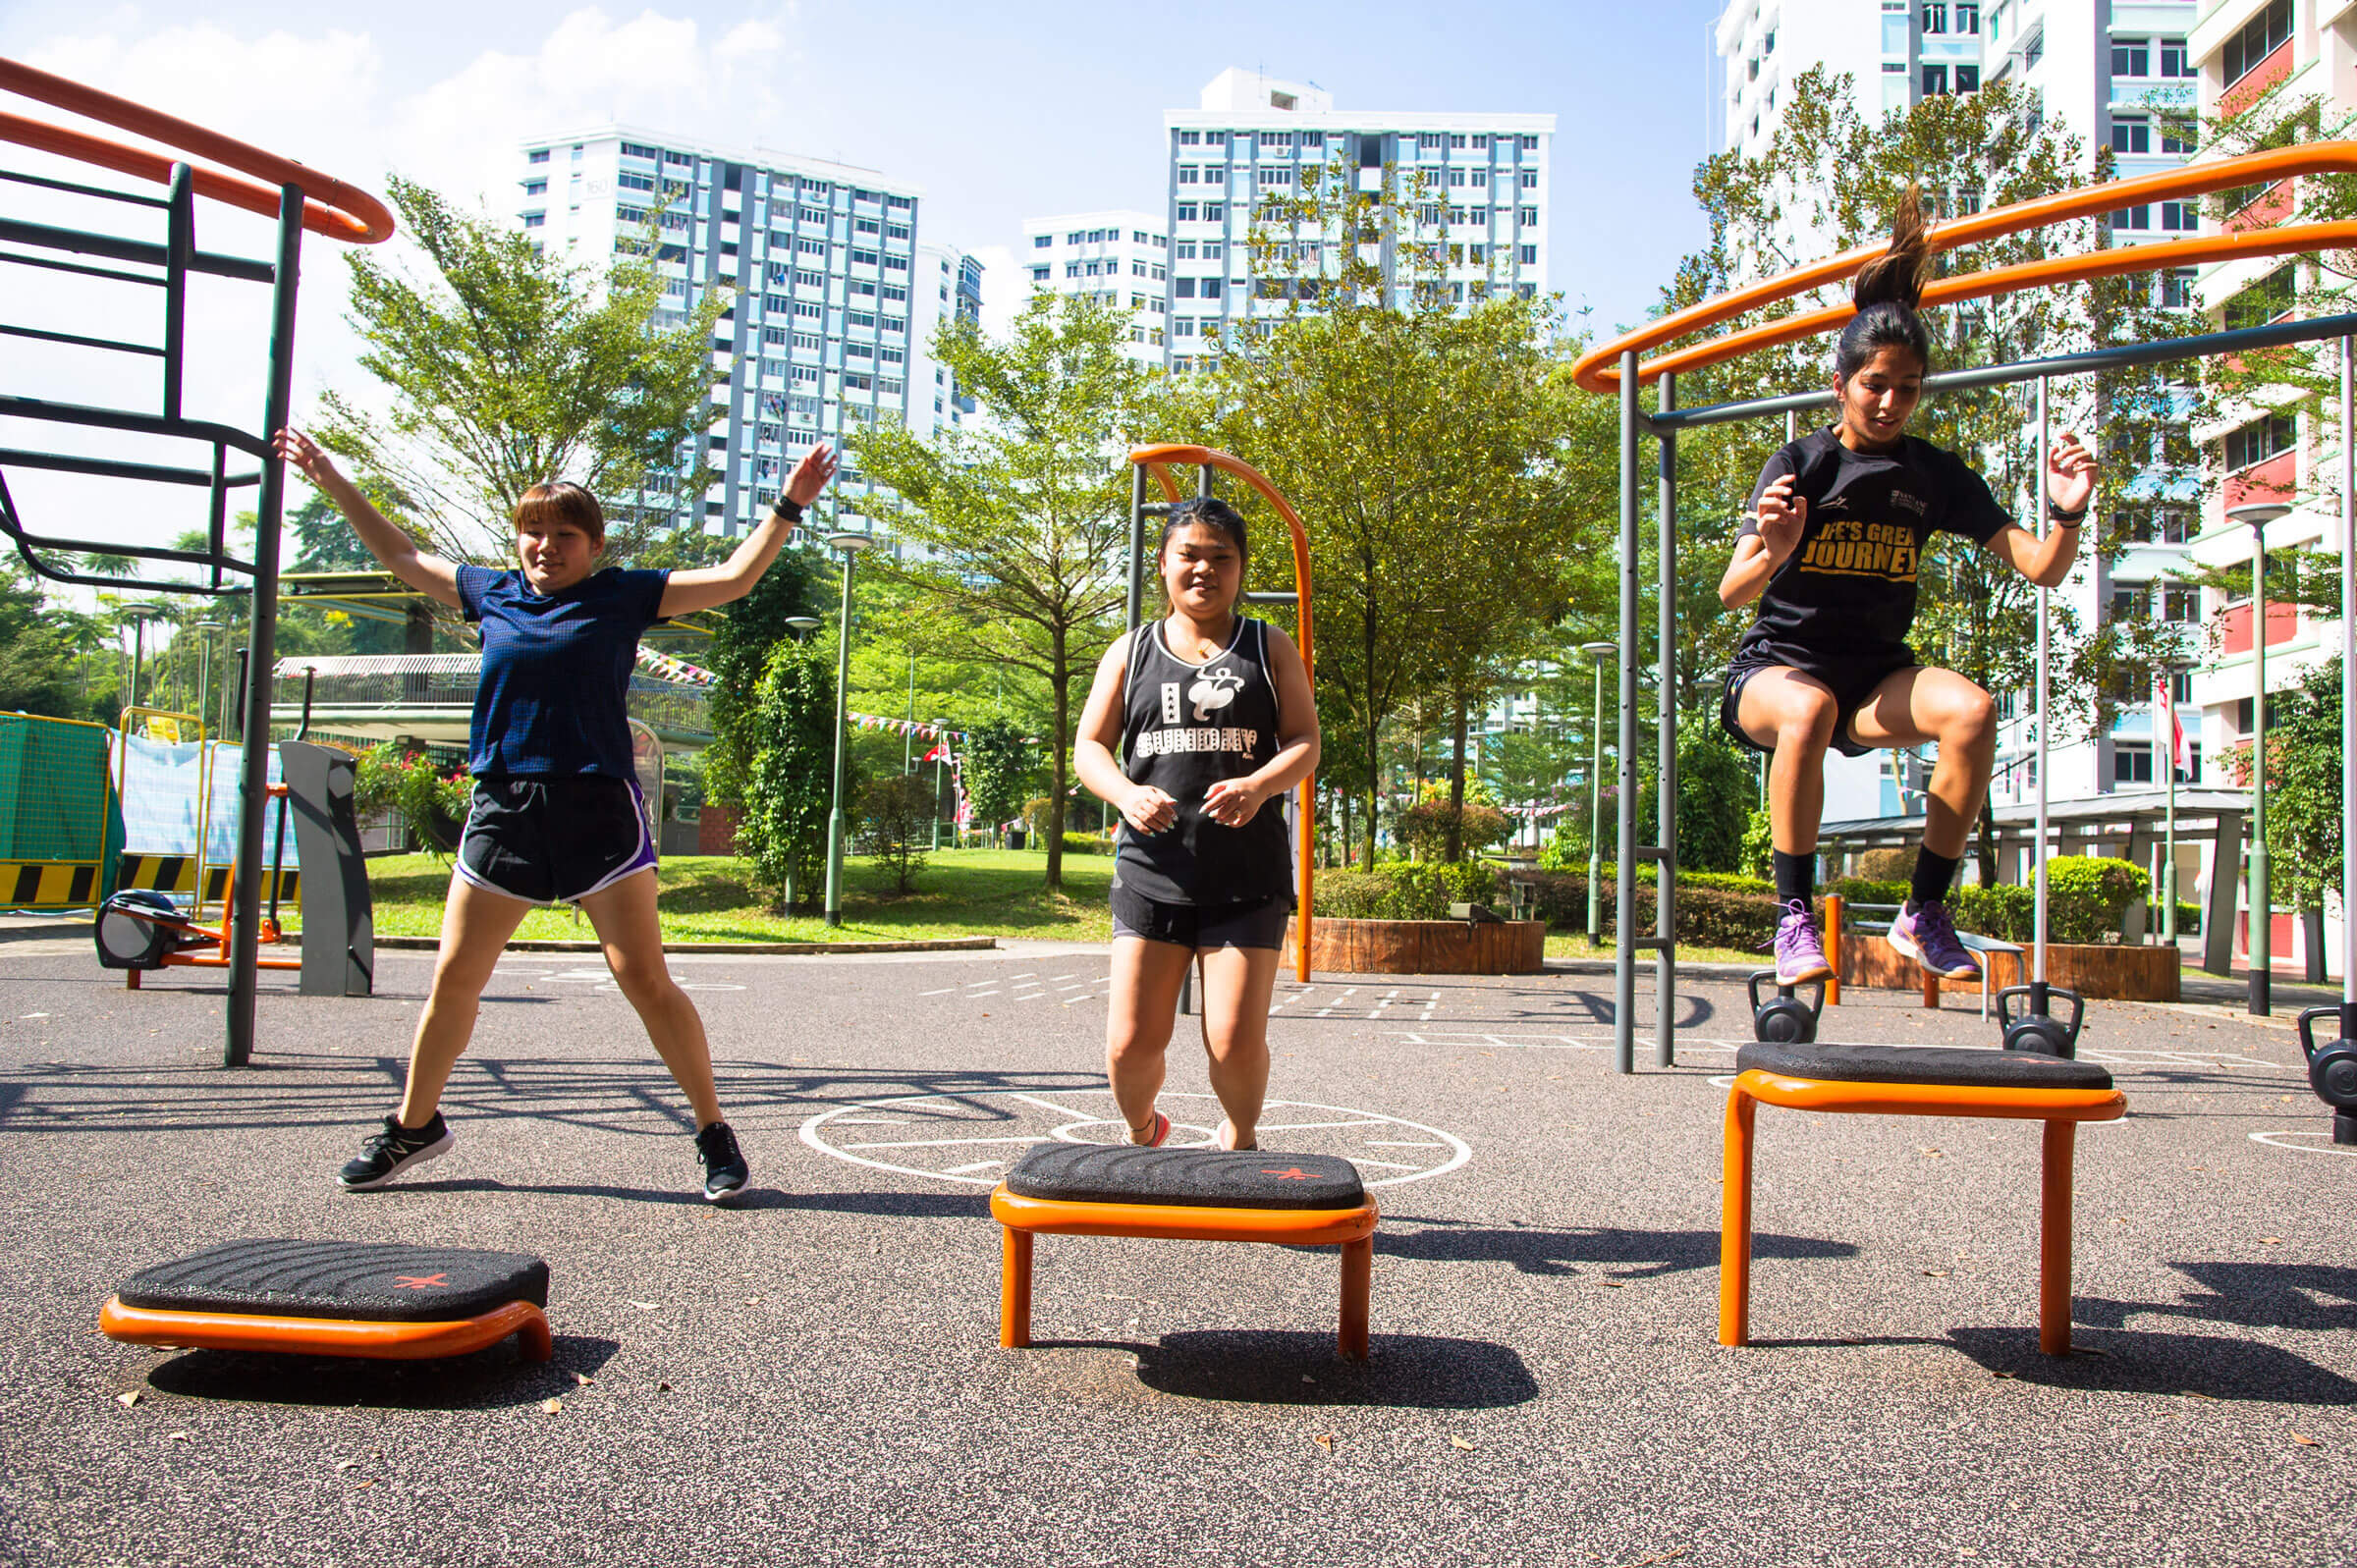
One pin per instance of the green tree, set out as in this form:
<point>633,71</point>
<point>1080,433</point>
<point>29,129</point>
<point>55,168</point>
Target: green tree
<point>2304,819</point>
<point>1018,522</point>
<point>895,825</point>
<point>783,828</point>
<point>1455,488</point>
<point>39,664</point>
<point>745,642</point>
<point>1714,790</point>
<point>506,367</point>
<point>996,768</point>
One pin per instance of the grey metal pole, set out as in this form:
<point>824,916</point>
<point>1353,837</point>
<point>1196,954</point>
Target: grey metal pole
<point>1665,780</point>
<point>254,775</point>
<point>842,676</point>
<point>2045,720</point>
<point>2167,745</point>
<point>1130,607</point>
<point>1624,954</point>
<point>2263,910</point>
<point>2348,661</point>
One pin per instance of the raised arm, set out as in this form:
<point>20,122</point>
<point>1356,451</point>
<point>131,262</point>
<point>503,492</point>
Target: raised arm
<point>430,574</point>
<point>2070,475</point>
<point>1779,519</point>
<point>705,586</point>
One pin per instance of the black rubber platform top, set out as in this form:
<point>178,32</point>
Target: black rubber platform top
<point>1207,1178</point>
<point>378,1282</point>
<point>1956,1068</point>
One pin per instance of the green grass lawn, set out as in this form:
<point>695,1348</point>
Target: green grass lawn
<point>1575,944</point>
<point>961,893</point>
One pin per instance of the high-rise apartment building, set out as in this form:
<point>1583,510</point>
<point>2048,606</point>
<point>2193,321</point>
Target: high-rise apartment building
<point>2117,75</point>
<point>1119,257</point>
<point>1250,137</point>
<point>831,293</point>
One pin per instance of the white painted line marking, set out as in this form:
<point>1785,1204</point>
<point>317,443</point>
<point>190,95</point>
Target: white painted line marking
<point>943,992</point>
<point>1311,1126</point>
<point>938,1143</point>
<point>1050,1104</point>
<point>1061,979</point>
<point>1377,1143</point>
<point>977,995</point>
<point>2284,1140</point>
<point>1392,1163</point>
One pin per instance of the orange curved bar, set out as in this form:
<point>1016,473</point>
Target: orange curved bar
<point>329,1336</point>
<point>330,207</point>
<point>1933,1100</point>
<point>1155,459</point>
<point>1598,369</point>
<point>1296,1227</point>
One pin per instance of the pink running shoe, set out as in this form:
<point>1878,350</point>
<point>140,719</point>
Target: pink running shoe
<point>1928,937</point>
<point>1799,949</point>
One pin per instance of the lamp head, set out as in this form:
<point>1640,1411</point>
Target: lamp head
<point>2258,513</point>
<point>1599,651</point>
<point>848,543</point>
<point>802,624</point>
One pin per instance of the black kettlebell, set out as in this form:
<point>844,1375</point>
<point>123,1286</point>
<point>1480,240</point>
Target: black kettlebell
<point>2332,1070</point>
<point>1787,1020</point>
<point>2037,1028</point>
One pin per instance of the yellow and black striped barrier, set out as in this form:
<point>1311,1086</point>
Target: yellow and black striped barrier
<point>177,874</point>
<point>49,884</point>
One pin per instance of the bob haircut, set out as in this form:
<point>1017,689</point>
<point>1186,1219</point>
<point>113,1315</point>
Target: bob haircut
<point>554,502</point>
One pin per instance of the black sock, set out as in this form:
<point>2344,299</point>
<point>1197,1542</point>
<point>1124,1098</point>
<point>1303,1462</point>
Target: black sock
<point>1933,876</point>
<point>1795,877</point>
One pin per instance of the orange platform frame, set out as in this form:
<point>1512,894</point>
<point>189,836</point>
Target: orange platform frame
<point>2061,1109</point>
<point>1353,1229</point>
<point>1157,460</point>
<point>329,1336</point>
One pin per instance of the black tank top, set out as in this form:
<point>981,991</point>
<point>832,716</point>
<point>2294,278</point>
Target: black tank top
<point>1184,728</point>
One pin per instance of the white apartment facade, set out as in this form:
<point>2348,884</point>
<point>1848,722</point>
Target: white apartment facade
<point>1120,258</point>
<point>829,306</point>
<point>1251,135</point>
<point>2108,73</point>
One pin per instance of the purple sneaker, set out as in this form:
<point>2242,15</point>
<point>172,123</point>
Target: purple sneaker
<point>1799,949</point>
<point>1928,937</point>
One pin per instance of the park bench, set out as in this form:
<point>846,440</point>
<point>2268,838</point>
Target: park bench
<point>1874,920</point>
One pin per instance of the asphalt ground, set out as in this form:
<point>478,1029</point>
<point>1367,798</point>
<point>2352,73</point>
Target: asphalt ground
<point>814,1376</point>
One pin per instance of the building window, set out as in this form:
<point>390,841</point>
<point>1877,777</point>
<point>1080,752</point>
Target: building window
<point>538,155</point>
<point>1213,212</point>
<point>1041,241</point>
<point>1530,255</point>
<point>1968,79</point>
<point>2258,441</point>
<point>1187,211</point>
<point>1967,13</point>
<point>2131,218</point>
<point>2178,135</point>
<point>2260,37</point>
<point>2175,61</point>
<point>535,188</point>
<point>1934,16</point>
<point>2180,217</point>
<point>1190,139</point>
<point>2270,297</point>
<point>534,220</point>
<point>1935,81</point>
<point>2176,288</point>
<point>2131,762</point>
<point>2132,57</point>
<point>1071,269</point>
<point>1530,179</point>
<point>1211,288</point>
<point>1039,274</point>
<point>2131,133</point>
<point>632,149</point>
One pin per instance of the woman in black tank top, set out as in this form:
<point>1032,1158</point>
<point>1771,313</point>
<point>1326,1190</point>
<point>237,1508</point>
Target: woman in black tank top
<point>1213,721</point>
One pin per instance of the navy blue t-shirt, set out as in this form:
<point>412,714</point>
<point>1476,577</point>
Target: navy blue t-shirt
<point>552,700</point>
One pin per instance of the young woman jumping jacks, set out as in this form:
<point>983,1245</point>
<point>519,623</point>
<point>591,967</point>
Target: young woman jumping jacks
<point>1213,715</point>
<point>1829,547</point>
<point>556,816</point>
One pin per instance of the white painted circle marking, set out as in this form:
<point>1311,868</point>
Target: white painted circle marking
<point>2306,1143</point>
<point>973,1138</point>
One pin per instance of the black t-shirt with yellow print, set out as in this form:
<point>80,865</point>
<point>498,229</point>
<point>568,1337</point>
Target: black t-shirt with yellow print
<point>1848,590</point>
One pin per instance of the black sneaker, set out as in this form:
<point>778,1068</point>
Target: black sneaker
<point>724,1170</point>
<point>387,1154</point>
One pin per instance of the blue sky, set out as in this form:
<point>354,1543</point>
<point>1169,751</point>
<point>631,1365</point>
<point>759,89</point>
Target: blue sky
<point>1000,111</point>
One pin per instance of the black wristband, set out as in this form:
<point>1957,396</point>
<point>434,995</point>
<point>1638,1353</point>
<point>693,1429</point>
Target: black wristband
<point>2071,519</point>
<point>787,509</point>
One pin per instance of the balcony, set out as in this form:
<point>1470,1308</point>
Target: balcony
<point>2264,75</point>
<point>2234,625</point>
<point>2270,480</point>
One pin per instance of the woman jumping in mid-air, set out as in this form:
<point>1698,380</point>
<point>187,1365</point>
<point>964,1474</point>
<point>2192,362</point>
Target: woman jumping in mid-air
<point>1829,548</point>
<point>556,816</point>
<point>1213,716</point>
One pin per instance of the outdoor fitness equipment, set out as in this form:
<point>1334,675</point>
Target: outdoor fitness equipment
<point>1915,1081</point>
<point>236,175</point>
<point>1787,1020</point>
<point>337,1298</point>
<point>1616,367</point>
<point>1068,1189</point>
<point>1158,461</point>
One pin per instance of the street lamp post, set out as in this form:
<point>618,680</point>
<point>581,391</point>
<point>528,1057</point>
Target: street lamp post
<point>1598,653</point>
<point>2258,514</point>
<point>204,630</point>
<point>847,546</point>
<point>2165,743</point>
<point>140,616</point>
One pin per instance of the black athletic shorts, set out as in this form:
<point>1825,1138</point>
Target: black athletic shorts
<point>1851,681</point>
<point>555,841</point>
<point>1187,925</point>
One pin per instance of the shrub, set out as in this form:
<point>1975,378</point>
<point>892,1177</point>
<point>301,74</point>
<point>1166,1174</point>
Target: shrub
<point>895,824</point>
<point>1887,865</point>
<point>1863,890</point>
<point>2004,911</point>
<point>430,803</point>
<point>1707,914</point>
<point>1400,890</point>
<point>2087,895</point>
<point>1087,843</point>
<point>1759,843</point>
<point>1425,826</point>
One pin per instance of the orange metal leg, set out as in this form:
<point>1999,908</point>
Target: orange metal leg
<point>2054,1239</point>
<point>1833,921</point>
<point>1014,1291</point>
<point>1734,1221</point>
<point>1931,991</point>
<point>534,1342</point>
<point>1358,1271</point>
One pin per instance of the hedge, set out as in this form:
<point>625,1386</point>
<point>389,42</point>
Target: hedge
<point>1401,889</point>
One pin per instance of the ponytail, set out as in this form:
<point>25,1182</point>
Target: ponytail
<point>1885,293</point>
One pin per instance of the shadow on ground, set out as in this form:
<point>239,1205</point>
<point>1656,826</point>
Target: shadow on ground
<point>1278,1366</point>
<point>490,1378</point>
<point>1631,1254</point>
<point>2140,1360</point>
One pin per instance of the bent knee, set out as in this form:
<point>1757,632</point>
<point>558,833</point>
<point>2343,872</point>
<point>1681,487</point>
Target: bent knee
<point>1972,721</point>
<point>1807,720</point>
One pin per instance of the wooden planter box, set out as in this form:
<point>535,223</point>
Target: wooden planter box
<point>2099,972</point>
<point>1423,947</point>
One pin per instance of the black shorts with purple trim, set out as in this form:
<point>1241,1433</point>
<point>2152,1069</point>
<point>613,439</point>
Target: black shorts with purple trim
<point>1259,923</point>
<point>1851,679</point>
<point>555,841</point>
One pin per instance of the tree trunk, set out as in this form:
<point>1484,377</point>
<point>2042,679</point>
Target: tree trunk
<point>1374,793</point>
<point>1060,762</point>
<point>1452,848</point>
<point>1987,857</point>
<point>1373,729</point>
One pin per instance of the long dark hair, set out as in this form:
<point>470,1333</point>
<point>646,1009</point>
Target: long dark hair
<point>1885,293</point>
<point>1212,512</point>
